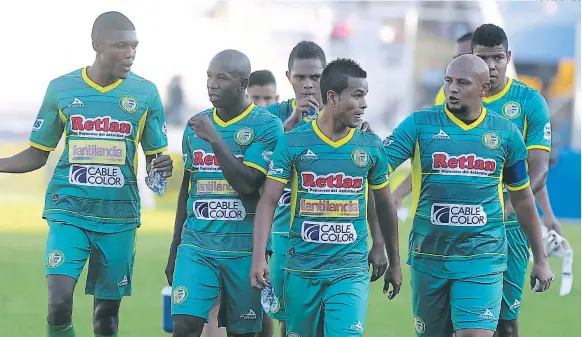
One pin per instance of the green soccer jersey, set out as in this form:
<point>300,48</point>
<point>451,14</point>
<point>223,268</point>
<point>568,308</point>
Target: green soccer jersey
<point>528,109</point>
<point>219,221</point>
<point>329,182</point>
<point>458,228</point>
<point>94,185</point>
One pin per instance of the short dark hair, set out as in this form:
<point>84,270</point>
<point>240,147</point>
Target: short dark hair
<point>261,77</point>
<point>489,35</point>
<point>465,37</point>
<point>109,21</point>
<point>306,50</point>
<point>335,76</point>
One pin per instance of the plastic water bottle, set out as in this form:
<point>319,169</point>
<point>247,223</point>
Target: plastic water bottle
<point>156,182</point>
<point>167,309</point>
<point>312,114</point>
<point>268,297</point>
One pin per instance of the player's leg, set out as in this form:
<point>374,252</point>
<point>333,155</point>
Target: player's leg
<point>109,277</point>
<point>346,304</point>
<point>195,289</point>
<point>277,267</point>
<point>211,329</point>
<point>241,312</point>
<point>267,329</point>
<point>304,296</point>
<point>430,292</point>
<point>475,305</point>
<point>513,282</point>
<point>67,250</point>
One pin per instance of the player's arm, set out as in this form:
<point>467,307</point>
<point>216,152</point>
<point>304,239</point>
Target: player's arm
<point>377,255</point>
<point>549,217</point>
<point>28,160</point>
<point>402,190</point>
<point>538,141</point>
<point>154,140</point>
<point>302,105</point>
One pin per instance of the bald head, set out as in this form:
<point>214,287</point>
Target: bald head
<point>233,62</point>
<point>466,83</point>
<point>469,65</point>
<point>228,78</point>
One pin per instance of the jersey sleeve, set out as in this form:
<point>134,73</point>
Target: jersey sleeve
<point>440,97</point>
<point>400,145</point>
<point>539,130</point>
<point>378,175</point>
<point>515,174</point>
<point>49,125</point>
<point>155,133</point>
<point>258,154</point>
<point>281,164</point>
<point>186,150</point>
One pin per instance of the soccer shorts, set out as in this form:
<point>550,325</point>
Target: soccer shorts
<point>277,268</point>
<point>198,279</point>
<point>514,276</point>
<point>442,306</point>
<point>111,258</point>
<point>326,306</point>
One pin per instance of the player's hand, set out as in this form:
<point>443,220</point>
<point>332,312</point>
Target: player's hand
<point>377,258</point>
<point>259,273</point>
<point>541,275</point>
<point>203,127</point>
<point>393,277</point>
<point>172,261</point>
<point>507,209</point>
<point>365,126</point>
<point>553,223</point>
<point>163,164</point>
<point>302,105</point>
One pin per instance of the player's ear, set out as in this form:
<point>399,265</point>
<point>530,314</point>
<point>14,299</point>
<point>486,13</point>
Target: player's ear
<point>288,74</point>
<point>277,98</point>
<point>96,47</point>
<point>332,98</point>
<point>485,89</point>
<point>244,84</point>
<point>508,54</point>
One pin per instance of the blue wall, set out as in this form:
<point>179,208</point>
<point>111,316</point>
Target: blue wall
<point>564,185</point>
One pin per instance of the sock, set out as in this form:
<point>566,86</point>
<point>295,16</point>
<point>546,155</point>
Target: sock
<point>66,330</point>
<point>98,335</point>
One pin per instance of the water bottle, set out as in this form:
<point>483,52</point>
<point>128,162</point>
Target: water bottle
<point>156,182</point>
<point>167,309</point>
<point>312,114</point>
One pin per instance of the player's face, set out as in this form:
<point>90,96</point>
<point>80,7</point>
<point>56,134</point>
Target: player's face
<point>461,89</point>
<point>224,87</point>
<point>304,76</point>
<point>497,59</point>
<point>117,52</point>
<point>462,48</point>
<point>262,95</point>
<point>352,102</point>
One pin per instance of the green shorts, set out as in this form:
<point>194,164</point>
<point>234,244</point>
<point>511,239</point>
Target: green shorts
<point>442,306</point>
<point>514,276</point>
<point>327,306</point>
<point>277,268</point>
<point>111,257</point>
<point>198,279</point>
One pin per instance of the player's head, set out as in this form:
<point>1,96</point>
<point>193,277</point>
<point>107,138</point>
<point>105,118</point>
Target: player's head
<point>466,83</point>
<point>343,90</point>
<point>228,77</point>
<point>490,43</point>
<point>306,63</point>
<point>115,41</point>
<point>463,45</point>
<point>262,88</point>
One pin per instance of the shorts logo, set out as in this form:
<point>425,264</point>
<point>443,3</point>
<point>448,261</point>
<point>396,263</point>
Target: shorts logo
<point>329,208</point>
<point>267,156</point>
<point>165,130</point>
<point>515,305</point>
<point>221,209</point>
<point>333,183</point>
<point>37,125</point>
<point>360,157</point>
<point>464,164</point>
<point>249,316</point>
<point>184,159</point>
<point>487,315</point>
<point>219,186</point>
<point>179,295</point>
<point>547,131</point>
<point>419,325</point>
<point>128,104</point>
<point>93,175</point>
<point>328,233</point>
<point>358,327</point>
<point>511,110</point>
<point>123,282</point>
<point>293,334</point>
<point>244,136</point>
<point>97,152</point>
<point>55,259</point>
<point>285,199</point>
<point>458,215</point>
<point>491,140</point>
<point>207,162</point>
<point>100,127</point>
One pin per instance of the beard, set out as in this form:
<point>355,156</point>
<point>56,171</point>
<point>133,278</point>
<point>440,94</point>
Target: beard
<point>461,110</point>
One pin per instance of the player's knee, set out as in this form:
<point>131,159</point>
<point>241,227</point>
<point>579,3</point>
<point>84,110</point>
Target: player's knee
<point>251,334</point>
<point>106,317</point>
<point>187,326</point>
<point>283,327</point>
<point>60,308</point>
<point>473,333</point>
<point>507,328</point>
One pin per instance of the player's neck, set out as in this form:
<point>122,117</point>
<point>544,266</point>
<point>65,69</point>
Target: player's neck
<point>471,115</point>
<point>331,127</point>
<point>98,74</point>
<point>499,88</point>
<point>234,110</point>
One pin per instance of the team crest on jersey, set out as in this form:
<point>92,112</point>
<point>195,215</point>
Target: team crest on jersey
<point>128,104</point>
<point>511,110</point>
<point>419,325</point>
<point>55,259</point>
<point>360,157</point>
<point>244,136</point>
<point>491,140</point>
<point>179,295</point>
<point>267,155</point>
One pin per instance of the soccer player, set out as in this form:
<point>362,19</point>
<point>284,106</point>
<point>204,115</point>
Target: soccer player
<point>330,164</point>
<point>226,153</point>
<point>92,203</point>
<point>461,155</point>
<point>305,66</point>
<point>262,88</point>
<point>462,47</point>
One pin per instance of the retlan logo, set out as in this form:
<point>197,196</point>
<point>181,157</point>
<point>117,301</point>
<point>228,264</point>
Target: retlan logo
<point>100,127</point>
<point>333,183</point>
<point>464,164</point>
<point>206,161</point>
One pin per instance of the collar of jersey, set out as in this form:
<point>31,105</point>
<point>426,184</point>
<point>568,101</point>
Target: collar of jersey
<point>224,124</point>
<point>462,124</point>
<point>97,86</point>
<point>330,142</point>
<point>499,94</point>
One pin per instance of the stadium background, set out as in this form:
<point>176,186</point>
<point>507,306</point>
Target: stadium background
<point>404,46</point>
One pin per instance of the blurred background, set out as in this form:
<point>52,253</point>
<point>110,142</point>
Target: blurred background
<point>403,45</point>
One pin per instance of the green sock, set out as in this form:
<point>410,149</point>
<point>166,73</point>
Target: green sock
<point>98,335</point>
<point>66,330</point>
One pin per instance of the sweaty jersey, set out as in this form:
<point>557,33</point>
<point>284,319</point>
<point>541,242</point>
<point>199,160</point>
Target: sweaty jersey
<point>218,219</point>
<point>457,172</point>
<point>329,182</point>
<point>94,185</point>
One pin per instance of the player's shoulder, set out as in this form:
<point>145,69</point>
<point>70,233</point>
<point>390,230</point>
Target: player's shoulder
<point>426,115</point>
<point>496,121</point>
<point>301,134</point>
<point>275,108</point>
<point>260,117</point>
<point>138,84</point>
<point>520,90</point>
<point>67,81</point>
<point>367,137</point>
